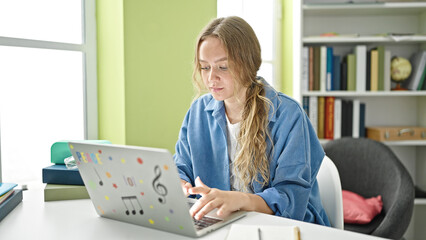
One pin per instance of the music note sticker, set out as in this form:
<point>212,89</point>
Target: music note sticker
<point>100,180</point>
<point>131,208</point>
<point>159,188</point>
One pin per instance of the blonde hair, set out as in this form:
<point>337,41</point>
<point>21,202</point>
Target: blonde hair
<point>244,59</point>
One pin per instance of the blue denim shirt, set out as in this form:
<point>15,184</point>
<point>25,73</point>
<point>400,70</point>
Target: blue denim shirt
<point>201,150</point>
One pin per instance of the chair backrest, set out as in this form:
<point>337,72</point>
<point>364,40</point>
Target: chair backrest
<point>331,192</point>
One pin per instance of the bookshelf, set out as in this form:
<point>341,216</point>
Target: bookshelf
<point>369,24</point>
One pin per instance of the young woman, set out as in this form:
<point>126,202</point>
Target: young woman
<point>244,145</point>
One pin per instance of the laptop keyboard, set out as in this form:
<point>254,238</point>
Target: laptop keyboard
<point>205,221</point>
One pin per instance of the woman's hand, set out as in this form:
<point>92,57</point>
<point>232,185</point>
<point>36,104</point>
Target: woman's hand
<point>226,201</point>
<point>185,187</point>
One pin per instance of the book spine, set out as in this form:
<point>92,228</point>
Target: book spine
<point>321,116</point>
<point>374,70</point>
<point>355,119</point>
<point>362,120</point>
<point>329,76</point>
<point>56,176</point>
<point>361,62</point>
<point>10,203</point>
<point>305,69</point>
<point>368,72</point>
<point>311,69</point>
<point>344,74</point>
<point>317,57</point>
<point>351,72</point>
<point>336,72</point>
<point>329,118</point>
<point>68,192</point>
<point>387,71</point>
<point>381,70</point>
<point>313,112</point>
<point>323,68</point>
<point>337,118</point>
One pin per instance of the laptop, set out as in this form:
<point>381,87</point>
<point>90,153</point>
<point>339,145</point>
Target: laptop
<point>140,185</point>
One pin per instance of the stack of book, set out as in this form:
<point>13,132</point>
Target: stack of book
<point>62,183</point>
<point>333,118</point>
<point>9,198</point>
<point>361,70</point>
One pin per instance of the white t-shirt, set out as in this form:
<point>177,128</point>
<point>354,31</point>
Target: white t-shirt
<point>233,147</point>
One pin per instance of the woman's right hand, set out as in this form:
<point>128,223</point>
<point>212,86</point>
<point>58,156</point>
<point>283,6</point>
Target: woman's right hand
<point>185,187</point>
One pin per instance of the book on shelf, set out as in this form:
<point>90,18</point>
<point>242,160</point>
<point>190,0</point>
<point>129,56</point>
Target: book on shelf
<point>362,131</point>
<point>316,63</point>
<point>368,71</point>
<point>355,118</point>
<point>347,108</point>
<point>323,68</point>
<point>305,69</point>
<point>381,67</point>
<point>351,80</point>
<point>9,198</point>
<point>60,174</point>
<point>313,112</point>
<point>344,74</point>
<point>321,116</point>
<point>57,192</point>
<point>336,72</point>
<point>387,71</point>
<point>311,69</point>
<point>422,84</point>
<point>374,72</point>
<point>329,69</point>
<point>360,69</point>
<point>329,118</point>
<point>418,63</point>
<point>337,118</point>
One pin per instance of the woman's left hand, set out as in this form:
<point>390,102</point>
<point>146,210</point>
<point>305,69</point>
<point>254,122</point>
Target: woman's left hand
<point>225,201</point>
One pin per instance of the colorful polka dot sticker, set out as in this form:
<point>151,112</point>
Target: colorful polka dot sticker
<point>151,221</point>
<point>108,174</point>
<point>181,227</point>
<point>106,198</point>
<point>123,160</point>
<point>92,184</point>
<point>110,158</point>
<point>100,151</point>
<point>142,193</point>
<point>140,161</point>
<point>167,219</point>
<point>166,167</point>
<point>71,146</point>
<point>151,206</point>
<point>171,211</point>
<point>115,185</point>
<point>101,210</point>
<point>141,181</point>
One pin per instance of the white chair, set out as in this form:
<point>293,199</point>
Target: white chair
<point>330,190</point>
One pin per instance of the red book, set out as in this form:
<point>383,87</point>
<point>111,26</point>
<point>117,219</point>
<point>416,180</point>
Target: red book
<point>329,118</point>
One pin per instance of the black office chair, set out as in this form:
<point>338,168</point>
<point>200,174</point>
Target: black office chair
<point>370,168</point>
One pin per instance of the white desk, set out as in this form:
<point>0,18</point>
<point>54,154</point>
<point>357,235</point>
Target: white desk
<point>77,219</point>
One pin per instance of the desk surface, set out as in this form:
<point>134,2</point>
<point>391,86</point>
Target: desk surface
<point>77,219</point>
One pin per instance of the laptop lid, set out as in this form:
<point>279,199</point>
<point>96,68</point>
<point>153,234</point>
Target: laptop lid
<point>138,185</point>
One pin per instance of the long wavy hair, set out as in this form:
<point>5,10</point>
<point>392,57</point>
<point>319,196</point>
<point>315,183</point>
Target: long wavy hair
<point>244,59</point>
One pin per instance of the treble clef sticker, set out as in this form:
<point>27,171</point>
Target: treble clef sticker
<point>159,188</point>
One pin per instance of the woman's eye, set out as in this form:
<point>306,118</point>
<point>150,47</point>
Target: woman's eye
<point>205,68</point>
<point>223,68</point>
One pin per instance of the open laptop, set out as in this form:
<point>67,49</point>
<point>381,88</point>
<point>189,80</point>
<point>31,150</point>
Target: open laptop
<point>141,186</point>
